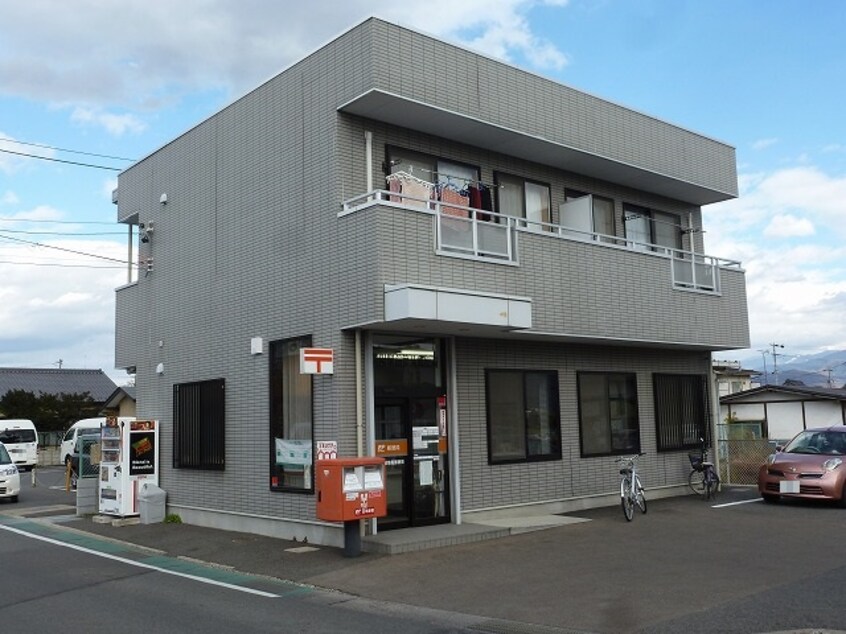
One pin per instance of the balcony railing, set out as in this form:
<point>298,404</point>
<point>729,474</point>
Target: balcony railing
<point>485,235</point>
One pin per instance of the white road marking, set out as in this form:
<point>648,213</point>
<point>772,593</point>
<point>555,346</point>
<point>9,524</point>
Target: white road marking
<point>721,506</point>
<point>142,565</point>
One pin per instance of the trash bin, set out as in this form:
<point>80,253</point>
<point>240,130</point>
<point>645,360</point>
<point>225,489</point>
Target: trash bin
<point>152,502</point>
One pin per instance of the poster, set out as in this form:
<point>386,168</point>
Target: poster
<point>142,453</point>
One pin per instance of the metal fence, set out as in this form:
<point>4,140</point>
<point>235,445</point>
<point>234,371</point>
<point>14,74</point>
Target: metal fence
<point>742,451</point>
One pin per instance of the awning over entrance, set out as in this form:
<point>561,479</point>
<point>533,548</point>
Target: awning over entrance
<point>439,307</point>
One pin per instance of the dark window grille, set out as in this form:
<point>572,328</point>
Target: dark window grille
<point>199,425</point>
<point>682,410</point>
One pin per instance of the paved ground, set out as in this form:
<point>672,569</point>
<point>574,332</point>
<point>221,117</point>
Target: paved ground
<point>685,566</point>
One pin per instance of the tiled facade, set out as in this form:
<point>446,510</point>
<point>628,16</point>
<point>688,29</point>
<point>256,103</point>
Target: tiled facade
<point>255,241</point>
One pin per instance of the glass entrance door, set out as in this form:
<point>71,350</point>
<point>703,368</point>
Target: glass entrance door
<point>408,437</point>
<point>411,433</point>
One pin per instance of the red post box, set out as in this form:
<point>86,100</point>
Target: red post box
<point>350,489</point>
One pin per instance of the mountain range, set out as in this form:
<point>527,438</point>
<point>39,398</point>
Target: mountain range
<point>823,369</point>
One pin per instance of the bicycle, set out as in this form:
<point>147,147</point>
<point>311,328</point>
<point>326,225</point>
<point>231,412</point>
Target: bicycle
<point>703,479</point>
<point>631,490</point>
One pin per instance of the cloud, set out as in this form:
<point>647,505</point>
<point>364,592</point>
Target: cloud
<point>787,226</point>
<point>762,144</point>
<point>114,124</point>
<point>51,309</point>
<point>796,287</point>
<point>146,54</point>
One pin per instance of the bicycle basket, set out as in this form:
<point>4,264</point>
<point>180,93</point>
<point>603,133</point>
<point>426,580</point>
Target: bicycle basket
<point>695,458</point>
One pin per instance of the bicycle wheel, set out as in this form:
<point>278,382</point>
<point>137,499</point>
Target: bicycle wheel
<point>626,499</point>
<point>712,483</point>
<point>640,498</point>
<point>696,482</point>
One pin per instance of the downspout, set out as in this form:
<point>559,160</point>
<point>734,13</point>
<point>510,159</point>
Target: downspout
<point>359,414</point>
<point>129,254</point>
<point>715,419</point>
<point>368,157</point>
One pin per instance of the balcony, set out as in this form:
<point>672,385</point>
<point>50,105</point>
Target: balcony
<point>485,236</point>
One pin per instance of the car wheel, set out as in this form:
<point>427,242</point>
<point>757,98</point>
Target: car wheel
<point>770,499</point>
<point>842,500</point>
<point>14,498</point>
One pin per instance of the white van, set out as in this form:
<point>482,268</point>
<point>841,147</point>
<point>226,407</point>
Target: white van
<point>21,440</point>
<point>86,425</point>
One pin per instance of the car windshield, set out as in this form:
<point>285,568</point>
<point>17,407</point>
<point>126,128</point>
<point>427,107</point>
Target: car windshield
<point>823,442</point>
<point>17,435</point>
<point>5,458</point>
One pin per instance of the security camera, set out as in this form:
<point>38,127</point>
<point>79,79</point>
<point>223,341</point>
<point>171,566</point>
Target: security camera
<point>146,230</point>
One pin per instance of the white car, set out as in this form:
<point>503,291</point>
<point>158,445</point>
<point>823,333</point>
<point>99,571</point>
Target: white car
<point>10,480</point>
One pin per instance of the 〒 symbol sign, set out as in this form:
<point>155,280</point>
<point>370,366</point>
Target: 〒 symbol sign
<point>317,361</point>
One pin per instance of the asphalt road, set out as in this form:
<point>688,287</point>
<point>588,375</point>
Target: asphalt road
<point>686,566</point>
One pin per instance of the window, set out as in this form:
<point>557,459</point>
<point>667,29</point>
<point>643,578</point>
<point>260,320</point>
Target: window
<point>648,226</point>
<point>608,418</point>
<point>523,417</point>
<point>291,421</point>
<point>587,213</point>
<point>681,410</point>
<point>199,416</point>
<point>522,198</point>
<point>431,169</point>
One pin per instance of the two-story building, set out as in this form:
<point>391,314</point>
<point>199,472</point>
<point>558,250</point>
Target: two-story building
<point>508,277</point>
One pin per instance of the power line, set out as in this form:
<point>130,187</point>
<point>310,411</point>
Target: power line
<point>48,158</point>
<point>66,233</point>
<point>50,246</point>
<point>58,222</point>
<point>64,265</point>
<point>52,147</point>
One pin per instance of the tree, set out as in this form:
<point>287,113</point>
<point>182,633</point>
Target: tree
<point>49,412</point>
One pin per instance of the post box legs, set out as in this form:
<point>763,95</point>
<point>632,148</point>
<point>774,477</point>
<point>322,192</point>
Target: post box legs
<point>352,539</point>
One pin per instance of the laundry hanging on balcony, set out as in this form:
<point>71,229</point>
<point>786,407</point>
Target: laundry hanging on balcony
<point>450,194</point>
<point>410,190</point>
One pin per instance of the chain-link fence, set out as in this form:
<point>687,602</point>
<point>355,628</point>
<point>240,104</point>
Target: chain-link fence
<point>742,451</point>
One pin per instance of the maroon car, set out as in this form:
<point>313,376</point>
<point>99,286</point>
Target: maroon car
<point>810,466</point>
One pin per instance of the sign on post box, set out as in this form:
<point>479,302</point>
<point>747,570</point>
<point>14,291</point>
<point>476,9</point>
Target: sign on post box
<point>351,489</point>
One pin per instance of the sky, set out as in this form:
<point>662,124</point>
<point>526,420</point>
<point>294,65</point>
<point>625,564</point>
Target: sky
<point>89,86</point>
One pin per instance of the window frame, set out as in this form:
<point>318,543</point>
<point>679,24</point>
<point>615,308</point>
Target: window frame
<point>277,413</point>
<point>629,376</point>
<point>574,194</point>
<point>498,181</point>
<point>433,176</point>
<point>630,209</point>
<point>554,421</point>
<point>686,436</point>
<point>205,431</point>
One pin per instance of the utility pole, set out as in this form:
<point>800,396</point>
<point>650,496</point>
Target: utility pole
<point>764,354</point>
<point>775,360</point>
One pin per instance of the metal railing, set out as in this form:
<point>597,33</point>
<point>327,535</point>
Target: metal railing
<point>486,235</point>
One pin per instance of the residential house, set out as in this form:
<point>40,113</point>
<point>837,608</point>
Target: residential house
<point>121,402</point>
<point>782,411</point>
<point>506,279</point>
<point>731,377</point>
<point>57,381</point>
